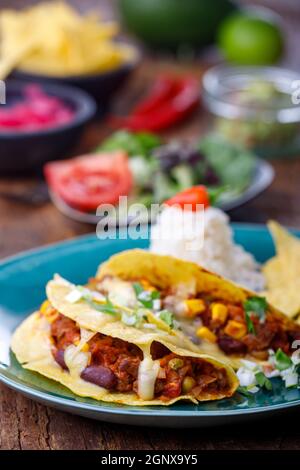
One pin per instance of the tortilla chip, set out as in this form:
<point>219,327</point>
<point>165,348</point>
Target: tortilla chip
<point>52,38</point>
<point>282,272</point>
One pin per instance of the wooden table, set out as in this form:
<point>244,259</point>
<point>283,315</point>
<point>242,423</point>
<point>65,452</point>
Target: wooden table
<point>25,424</point>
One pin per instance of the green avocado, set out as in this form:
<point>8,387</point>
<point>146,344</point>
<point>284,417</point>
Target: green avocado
<point>171,23</point>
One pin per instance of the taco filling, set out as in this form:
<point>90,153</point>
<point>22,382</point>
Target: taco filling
<point>119,366</point>
<point>207,308</point>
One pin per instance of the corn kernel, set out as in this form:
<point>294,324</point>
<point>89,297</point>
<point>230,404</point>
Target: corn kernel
<point>146,285</point>
<point>194,307</point>
<point>44,307</point>
<point>219,313</point>
<point>204,333</point>
<point>235,329</point>
<point>51,318</point>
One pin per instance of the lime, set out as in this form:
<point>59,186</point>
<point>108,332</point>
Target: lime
<point>250,40</point>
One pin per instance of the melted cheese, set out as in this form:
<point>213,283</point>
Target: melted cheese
<point>76,360</point>
<point>85,336</point>
<point>119,292</point>
<point>147,375</point>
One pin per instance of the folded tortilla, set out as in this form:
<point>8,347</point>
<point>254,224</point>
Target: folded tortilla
<point>33,345</point>
<point>183,281</point>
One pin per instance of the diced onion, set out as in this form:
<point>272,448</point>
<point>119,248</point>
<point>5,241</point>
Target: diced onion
<point>290,377</point>
<point>73,296</point>
<point>129,320</point>
<point>250,365</point>
<point>272,373</point>
<point>246,377</point>
<point>295,357</point>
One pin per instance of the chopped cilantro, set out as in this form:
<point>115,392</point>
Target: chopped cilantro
<point>249,322</point>
<point>282,360</point>
<point>263,381</point>
<point>144,297</point>
<point>167,317</point>
<point>256,306</point>
<point>244,391</point>
<point>138,289</point>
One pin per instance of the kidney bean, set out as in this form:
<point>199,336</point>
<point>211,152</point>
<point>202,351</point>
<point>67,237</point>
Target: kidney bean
<point>100,375</point>
<point>232,346</point>
<point>59,356</point>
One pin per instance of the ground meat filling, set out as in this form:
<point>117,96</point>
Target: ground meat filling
<point>64,332</point>
<point>114,364</point>
<point>271,333</point>
<point>121,358</point>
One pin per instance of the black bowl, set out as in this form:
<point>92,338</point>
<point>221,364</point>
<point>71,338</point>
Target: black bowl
<point>22,151</point>
<point>100,86</point>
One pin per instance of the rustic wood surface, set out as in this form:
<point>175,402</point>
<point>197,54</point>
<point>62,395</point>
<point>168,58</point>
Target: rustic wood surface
<point>25,424</point>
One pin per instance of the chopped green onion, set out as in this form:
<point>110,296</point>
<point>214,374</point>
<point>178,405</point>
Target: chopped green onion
<point>282,360</point>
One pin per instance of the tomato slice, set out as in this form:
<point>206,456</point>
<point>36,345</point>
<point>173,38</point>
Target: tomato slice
<point>90,180</point>
<point>192,196</point>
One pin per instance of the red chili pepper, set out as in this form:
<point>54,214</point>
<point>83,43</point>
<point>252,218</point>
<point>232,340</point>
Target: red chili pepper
<point>163,89</point>
<point>166,112</point>
<point>191,196</point>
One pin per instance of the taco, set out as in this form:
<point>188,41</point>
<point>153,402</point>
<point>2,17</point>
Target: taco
<point>113,353</point>
<point>223,318</point>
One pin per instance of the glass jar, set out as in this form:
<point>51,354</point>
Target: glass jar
<point>258,107</point>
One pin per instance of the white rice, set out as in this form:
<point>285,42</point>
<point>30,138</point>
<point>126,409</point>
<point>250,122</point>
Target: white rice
<point>213,238</point>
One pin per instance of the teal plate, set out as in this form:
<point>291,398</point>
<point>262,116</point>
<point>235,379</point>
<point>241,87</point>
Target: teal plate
<point>22,289</point>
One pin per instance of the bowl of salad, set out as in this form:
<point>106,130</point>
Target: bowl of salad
<point>149,171</point>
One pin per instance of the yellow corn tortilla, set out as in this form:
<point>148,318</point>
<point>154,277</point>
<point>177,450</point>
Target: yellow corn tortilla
<point>31,344</point>
<point>166,272</point>
<point>282,272</point>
